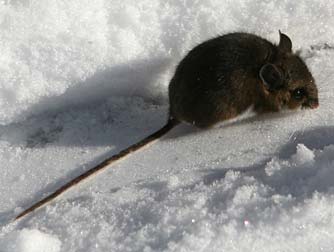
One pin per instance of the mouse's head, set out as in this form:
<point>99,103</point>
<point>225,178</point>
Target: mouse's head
<point>288,79</point>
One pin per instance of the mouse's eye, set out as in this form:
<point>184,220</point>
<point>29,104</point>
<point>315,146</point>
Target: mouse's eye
<point>298,93</point>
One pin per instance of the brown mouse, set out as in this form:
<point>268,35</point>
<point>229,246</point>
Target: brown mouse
<point>218,80</point>
<point>222,77</point>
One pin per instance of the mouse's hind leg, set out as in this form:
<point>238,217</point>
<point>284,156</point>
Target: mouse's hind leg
<point>202,114</point>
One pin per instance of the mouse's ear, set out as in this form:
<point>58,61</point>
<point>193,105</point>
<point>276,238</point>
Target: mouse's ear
<point>271,77</point>
<point>285,44</point>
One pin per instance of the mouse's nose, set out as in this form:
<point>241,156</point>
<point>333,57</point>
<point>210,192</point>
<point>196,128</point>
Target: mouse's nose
<point>313,103</point>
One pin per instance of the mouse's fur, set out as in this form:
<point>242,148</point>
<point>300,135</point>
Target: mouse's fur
<point>222,77</point>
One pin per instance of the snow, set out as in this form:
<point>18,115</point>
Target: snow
<point>81,80</point>
<point>303,155</point>
<point>30,241</point>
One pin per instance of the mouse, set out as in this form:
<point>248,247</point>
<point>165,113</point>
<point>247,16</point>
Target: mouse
<point>218,80</point>
<point>222,77</point>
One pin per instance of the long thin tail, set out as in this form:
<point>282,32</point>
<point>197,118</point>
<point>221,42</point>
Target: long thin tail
<point>169,125</point>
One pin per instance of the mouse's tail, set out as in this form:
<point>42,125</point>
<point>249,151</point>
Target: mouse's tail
<point>93,171</point>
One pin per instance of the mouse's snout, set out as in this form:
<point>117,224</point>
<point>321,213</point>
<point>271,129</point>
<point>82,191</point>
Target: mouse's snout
<point>312,103</point>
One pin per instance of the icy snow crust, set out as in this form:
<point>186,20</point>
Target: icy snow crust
<point>82,79</point>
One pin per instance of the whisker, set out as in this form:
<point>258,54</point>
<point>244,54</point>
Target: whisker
<point>292,136</point>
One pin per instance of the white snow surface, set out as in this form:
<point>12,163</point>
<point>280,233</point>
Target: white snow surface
<point>30,241</point>
<point>81,80</point>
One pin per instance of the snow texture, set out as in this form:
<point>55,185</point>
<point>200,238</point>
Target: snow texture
<point>81,80</point>
<point>30,241</point>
